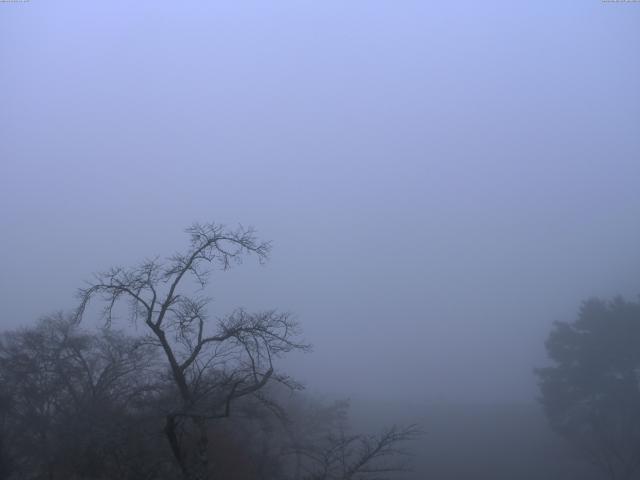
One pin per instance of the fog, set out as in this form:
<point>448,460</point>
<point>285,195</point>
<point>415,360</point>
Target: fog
<point>440,180</point>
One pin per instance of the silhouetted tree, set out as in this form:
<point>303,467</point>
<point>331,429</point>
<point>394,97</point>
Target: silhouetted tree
<point>290,436</point>
<point>324,448</point>
<point>591,394</point>
<point>212,362</point>
<point>78,404</point>
<point>73,403</point>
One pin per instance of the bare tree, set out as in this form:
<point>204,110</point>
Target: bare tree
<point>324,450</point>
<point>68,398</point>
<point>358,456</point>
<point>212,362</point>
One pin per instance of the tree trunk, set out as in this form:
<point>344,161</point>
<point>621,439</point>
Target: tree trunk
<point>199,468</point>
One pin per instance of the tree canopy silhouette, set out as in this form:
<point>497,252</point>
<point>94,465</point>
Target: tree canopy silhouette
<point>78,403</point>
<point>212,361</point>
<point>591,394</point>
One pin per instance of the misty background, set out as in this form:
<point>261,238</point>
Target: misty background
<point>440,180</point>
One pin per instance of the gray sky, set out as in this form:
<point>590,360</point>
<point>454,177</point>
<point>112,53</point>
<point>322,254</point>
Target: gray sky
<point>441,180</point>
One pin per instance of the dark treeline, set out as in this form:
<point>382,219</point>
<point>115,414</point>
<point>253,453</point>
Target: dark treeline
<point>195,397</point>
<point>93,404</point>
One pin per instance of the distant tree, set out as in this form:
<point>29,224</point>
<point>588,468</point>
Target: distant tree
<point>213,362</point>
<point>282,435</point>
<point>322,446</point>
<point>591,394</point>
<point>347,456</point>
